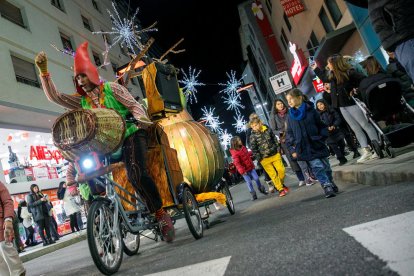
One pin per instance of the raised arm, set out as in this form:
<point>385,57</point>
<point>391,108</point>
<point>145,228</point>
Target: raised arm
<point>62,99</point>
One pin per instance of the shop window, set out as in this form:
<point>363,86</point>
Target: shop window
<point>287,22</point>
<point>86,23</point>
<point>96,58</point>
<point>66,42</point>
<point>11,13</point>
<point>269,6</point>
<point>334,11</point>
<point>284,39</point>
<point>57,4</point>
<point>325,21</point>
<point>25,72</point>
<point>95,5</point>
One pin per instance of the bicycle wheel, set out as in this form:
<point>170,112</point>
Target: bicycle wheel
<point>192,214</point>
<point>105,243</point>
<point>229,199</point>
<point>130,242</point>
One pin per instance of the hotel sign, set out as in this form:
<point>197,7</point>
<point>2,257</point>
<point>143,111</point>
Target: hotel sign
<point>292,7</point>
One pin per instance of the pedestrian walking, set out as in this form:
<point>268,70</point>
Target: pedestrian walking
<point>305,139</point>
<point>243,161</point>
<point>69,205</point>
<point>27,221</point>
<point>39,207</point>
<point>10,263</point>
<point>266,151</point>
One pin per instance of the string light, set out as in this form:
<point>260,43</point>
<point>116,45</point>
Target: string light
<point>240,124</point>
<point>190,84</point>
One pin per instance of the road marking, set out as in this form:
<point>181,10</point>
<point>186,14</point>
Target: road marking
<point>391,239</point>
<point>210,268</point>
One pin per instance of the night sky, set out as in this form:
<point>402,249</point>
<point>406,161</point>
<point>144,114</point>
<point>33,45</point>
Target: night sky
<point>211,38</point>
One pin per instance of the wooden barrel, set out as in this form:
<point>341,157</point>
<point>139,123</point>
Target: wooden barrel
<point>199,153</point>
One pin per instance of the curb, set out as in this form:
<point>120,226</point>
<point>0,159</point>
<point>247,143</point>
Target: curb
<point>51,248</point>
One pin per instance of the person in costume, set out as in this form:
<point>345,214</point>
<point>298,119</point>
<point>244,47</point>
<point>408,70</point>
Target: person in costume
<point>92,93</point>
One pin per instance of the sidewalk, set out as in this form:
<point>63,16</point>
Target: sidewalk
<point>33,252</point>
<point>379,172</point>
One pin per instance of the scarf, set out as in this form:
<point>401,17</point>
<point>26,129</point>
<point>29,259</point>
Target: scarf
<point>282,113</point>
<point>299,113</point>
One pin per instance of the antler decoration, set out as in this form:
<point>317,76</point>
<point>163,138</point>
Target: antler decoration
<point>171,50</point>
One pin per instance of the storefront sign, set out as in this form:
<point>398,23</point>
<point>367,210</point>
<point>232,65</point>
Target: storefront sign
<point>43,153</point>
<point>292,7</point>
<point>280,82</point>
<point>299,63</point>
<point>318,85</point>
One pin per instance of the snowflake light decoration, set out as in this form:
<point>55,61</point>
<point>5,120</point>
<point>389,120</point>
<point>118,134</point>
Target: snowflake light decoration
<point>240,124</point>
<point>126,31</point>
<point>190,83</point>
<point>232,84</point>
<point>213,122</point>
<point>225,139</point>
<point>232,99</point>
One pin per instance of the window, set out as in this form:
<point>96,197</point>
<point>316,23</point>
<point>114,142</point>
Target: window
<point>66,42</point>
<point>57,4</point>
<point>284,39</point>
<point>312,44</point>
<point>334,11</point>
<point>325,21</point>
<point>86,23</point>
<point>269,6</point>
<point>11,13</point>
<point>96,58</point>
<point>287,22</point>
<point>25,72</point>
<point>95,5</point>
<point>310,48</point>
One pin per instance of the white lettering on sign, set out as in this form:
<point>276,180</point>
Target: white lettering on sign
<point>280,82</point>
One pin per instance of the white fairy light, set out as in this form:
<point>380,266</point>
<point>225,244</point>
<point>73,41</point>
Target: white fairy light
<point>232,83</point>
<point>190,83</point>
<point>126,31</point>
<point>213,122</point>
<point>233,102</point>
<point>240,124</point>
<point>225,139</point>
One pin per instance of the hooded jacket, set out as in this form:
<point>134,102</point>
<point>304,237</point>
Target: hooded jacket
<point>330,117</point>
<point>242,159</point>
<point>263,143</point>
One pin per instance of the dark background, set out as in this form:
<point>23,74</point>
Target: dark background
<point>211,38</point>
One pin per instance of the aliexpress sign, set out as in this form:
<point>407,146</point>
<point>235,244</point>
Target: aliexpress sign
<point>43,153</point>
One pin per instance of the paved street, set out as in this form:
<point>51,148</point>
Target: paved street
<point>300,234</point>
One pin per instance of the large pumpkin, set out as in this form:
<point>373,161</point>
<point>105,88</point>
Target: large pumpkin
<point>199,154</point>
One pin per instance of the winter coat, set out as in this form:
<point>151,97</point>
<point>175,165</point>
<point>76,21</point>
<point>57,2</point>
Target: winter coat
<point>242,159</point>
<point>395,69</point>
<point>69,203</point>
<point>307,137</point>
<point>340,92</point>
<point>27,217</point>
<point>263,143</point>
<point>6,208</point>
<point>39,209</point>
<point>331,118</point>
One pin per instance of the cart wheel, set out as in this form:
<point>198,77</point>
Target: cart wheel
<point>192,214</point>
<point>390,151</point>
<point>377,148</point>
<point>130,242</point>
<point>229,199</point>
<point>105,242</point>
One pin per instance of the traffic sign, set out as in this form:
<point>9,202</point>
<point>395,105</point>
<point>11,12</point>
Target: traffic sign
<point>281,82</point>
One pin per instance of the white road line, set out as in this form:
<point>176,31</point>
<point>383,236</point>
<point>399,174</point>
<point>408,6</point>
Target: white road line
<point>391,239</point>
<point>210,268</point>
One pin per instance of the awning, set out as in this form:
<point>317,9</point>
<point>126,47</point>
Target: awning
<point>333,43</point>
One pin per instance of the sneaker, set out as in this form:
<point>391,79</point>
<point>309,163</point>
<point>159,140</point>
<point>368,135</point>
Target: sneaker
<point>335,188</point>
<point>282,193</point>
<point>286,189</point>
<point>301,183</point>
<point>343,161</point>
<point>374,156</point>
<point>263,190</point>
<point>356,154</point>
<point>329,192</point>
<point>271,189</point>
<point>366,155</point>
<point>309,182</point>
<point>166,225</point>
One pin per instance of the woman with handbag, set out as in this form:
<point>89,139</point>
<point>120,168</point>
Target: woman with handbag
<point>39,207</point>
<point>343,81</point>
<point>69,204</point>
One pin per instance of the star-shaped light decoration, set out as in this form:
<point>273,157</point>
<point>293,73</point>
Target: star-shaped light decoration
<point>190,84</point>
<point>213,122</point>
<point>225,139</point>
<point>126,31</point>
<point>232,83</point>
<point>233,102</point>
<point>240,124</point>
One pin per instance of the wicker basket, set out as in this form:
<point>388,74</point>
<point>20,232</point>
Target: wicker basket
<point>81,131</point>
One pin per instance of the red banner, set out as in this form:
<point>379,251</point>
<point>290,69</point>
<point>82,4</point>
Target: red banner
<point>292,7</point>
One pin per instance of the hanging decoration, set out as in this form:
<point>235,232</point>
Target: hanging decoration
<point>240,124</point>
<point>213,122</point>
<point>126,32</point>
<point>233,101</point>
<point>225,139</point>
<point>232,97</point>
<point>190,84</point>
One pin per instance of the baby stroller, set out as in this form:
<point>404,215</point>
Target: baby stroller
<point>381,100</point>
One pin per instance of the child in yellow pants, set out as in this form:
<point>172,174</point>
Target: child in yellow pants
<point>275,169</point>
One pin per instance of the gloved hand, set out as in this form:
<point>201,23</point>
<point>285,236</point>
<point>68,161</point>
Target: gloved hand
<point>41,62</point>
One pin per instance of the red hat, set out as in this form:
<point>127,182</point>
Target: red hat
<point>84,65</point>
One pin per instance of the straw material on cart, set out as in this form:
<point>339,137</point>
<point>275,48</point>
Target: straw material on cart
<point>219,197</point>
<point>121,177</point>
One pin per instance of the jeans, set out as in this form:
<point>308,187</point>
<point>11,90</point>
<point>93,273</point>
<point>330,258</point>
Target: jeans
<point>405,55</point>
<point>248,178</point>
<point>134,155</point>
<point>322,170</point>
<point>358,123</point>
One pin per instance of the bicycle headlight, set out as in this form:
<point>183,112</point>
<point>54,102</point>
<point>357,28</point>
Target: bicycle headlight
<point>87,163</point>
